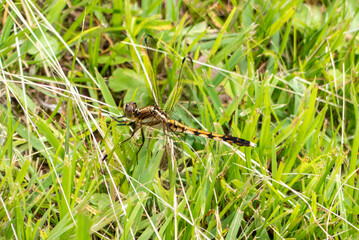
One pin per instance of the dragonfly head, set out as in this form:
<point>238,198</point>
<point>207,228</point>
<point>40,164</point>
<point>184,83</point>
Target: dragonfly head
<point>130,110</point>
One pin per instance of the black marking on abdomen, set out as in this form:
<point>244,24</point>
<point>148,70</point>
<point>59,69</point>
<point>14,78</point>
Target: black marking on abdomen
<point>241,142</point>
<point>184,129</point>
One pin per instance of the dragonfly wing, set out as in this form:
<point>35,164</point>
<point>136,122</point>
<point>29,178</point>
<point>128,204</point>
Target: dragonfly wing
<point>164,67</point>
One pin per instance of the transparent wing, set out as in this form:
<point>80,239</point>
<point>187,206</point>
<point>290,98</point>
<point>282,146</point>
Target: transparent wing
<point>170,71</point>
<point>155,64</point>
<point>176,93</point>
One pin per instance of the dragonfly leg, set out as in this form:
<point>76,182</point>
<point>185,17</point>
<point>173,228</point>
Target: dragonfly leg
<point>143,142</point>
<point>120,123</point>
<point>132,134</point>
<point>116,118</point>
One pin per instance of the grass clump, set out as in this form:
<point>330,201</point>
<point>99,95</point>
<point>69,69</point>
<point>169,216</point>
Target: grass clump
<point>281,74</point>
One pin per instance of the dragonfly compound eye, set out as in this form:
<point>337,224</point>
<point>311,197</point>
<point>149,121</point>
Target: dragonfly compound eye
<point>130,109</point>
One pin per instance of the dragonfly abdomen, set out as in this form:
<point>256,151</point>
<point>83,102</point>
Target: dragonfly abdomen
<point>176,126</point>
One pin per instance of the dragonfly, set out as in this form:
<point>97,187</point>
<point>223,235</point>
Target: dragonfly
<point>154,117</point>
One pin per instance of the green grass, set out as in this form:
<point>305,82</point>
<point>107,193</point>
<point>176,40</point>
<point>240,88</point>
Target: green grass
<point>282,74</point>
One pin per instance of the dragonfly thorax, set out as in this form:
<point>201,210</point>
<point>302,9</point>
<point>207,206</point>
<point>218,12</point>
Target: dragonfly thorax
<point>130,110</point>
